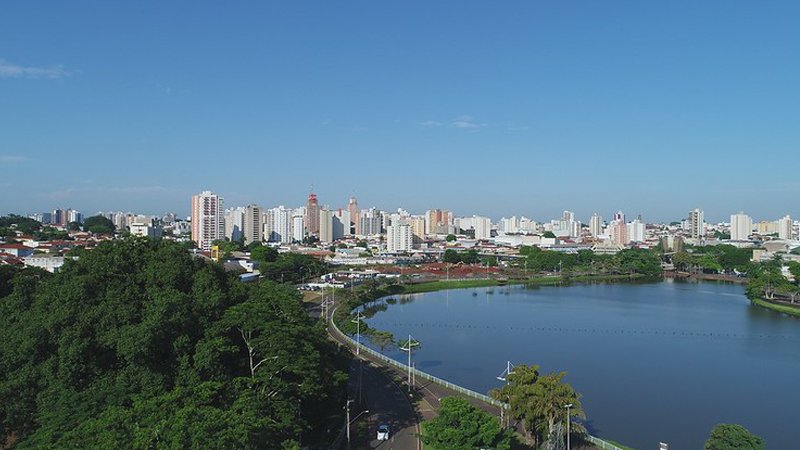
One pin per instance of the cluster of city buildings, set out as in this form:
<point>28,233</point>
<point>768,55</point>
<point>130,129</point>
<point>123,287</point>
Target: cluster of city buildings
<point>400,232</point>
<point>356,236</point>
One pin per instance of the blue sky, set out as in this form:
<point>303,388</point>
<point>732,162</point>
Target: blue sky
<point>492,108</point>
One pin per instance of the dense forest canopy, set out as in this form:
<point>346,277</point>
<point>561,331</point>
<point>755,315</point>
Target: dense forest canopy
<point>139,344</point>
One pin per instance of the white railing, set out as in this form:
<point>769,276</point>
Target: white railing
<point>601,443</point>
<point>420,374</point>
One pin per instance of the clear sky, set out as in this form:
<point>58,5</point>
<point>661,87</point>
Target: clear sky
<point>491,108</point>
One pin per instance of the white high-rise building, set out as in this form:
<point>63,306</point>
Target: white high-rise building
<point>785,227</point>
<point>697,224</point>
<point>483,227</point>
<point>341,223</point>
<point>636,231</point>
<point>596,225</point>
<point>399,238</point>
<point>234,221</point>
<point>280,225</point>
<point>741,226</point>
<point>208,221</point>
<point>508,225</point>
<point>252,228</point>
<point>298,224</point>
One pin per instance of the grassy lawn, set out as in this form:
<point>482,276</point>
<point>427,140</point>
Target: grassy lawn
<point>312,296</point>
<point>791,310</point>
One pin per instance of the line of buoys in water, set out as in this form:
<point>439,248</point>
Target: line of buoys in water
<point>670,333</point>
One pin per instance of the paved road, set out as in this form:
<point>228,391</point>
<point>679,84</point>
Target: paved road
<point>387,404</point>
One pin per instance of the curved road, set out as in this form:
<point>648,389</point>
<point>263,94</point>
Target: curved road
<point>387,404</point>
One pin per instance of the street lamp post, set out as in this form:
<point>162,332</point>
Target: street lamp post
<point>409,347</point>
<point>357,321</point>
<point>347,419</point>
<point>568,406</point>
<point>504,377</point>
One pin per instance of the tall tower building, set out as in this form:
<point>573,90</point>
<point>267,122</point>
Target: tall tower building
<point>596,225</point>
<point>483,227</point>
<point>636,230</point>
<point>741,226</point>
<point>619,232</point>
<point>697,224</point>
<point>312,214</point>
<point>252,224</point>
<point>785,227</point>
<point>281,224</point>
<point>399,238</point>
<point>619,216</point>
<point>355,225</point>
<point>234,223</point>
<point>298,224</point>
<point>325,225</point>
<point>208,223</point>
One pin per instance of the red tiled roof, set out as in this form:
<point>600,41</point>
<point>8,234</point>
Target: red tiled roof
<point>16,246</point>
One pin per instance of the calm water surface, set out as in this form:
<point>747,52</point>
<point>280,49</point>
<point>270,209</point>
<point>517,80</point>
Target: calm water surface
<point>654,362</point>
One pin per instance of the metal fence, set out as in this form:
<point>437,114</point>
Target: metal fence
<point>601,443</point>
<point>420,374</point>
<point>468,392</point>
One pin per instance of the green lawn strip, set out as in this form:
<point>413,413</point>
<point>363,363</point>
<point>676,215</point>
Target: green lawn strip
<point>791,310</point>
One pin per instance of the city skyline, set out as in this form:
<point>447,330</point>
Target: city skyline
<point>482,109</point>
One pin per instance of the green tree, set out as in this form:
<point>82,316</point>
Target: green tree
<point>264,254</point>
<point>460,425</point>
<point>549,234</point>
<point>73,226</point>
<point>24,225</point>
<point>98,225</point>
<point>451,256</point>
<point>138,344</point>
<point>733,437</point>
<point>537,401</point>
<point>382,339</point>
<point>450,238</point>
<point>683,260</point>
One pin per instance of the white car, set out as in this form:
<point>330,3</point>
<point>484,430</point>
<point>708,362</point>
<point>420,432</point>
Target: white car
<point>383,432</point>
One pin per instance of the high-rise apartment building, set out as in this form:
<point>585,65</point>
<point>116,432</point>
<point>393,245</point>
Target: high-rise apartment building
<point>636,230</point>
<point>483,227</point>
<point>697,224</point>
<point>253,227</point>
<point>298,224</point>
<point>325,225</point>
<point>785,227</point>
<point>312,214</point>
<point>279,226</point>
<point>741,226</point>
<point>371,221</point>
<point>438,221</point>
<point>596,225</point>
<point>618,230</point>
<point>352,208</point>
<point>341,223</point>
<point>234,223</point>
<point>208,222</point>
<point>399,238</point>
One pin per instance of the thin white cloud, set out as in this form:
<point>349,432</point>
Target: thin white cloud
<point>466,123</point>
<point>10,159</point>
<point>430,124</point>
<point>11,70</point>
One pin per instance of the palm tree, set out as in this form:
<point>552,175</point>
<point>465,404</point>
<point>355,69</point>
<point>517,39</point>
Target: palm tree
<point>550,396</point>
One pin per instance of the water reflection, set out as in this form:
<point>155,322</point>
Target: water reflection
<point>654,361</point>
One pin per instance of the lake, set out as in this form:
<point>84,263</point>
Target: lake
<point>654,362</point>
